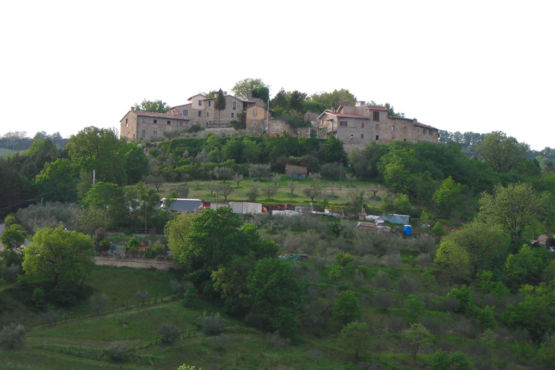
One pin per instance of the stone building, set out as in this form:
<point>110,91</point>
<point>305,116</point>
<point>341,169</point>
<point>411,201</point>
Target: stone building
<point>200,110</point>
<point>358,126</point>
<point>146,125</point>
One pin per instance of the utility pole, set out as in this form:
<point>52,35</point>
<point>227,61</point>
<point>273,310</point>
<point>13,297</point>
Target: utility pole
<point>267,114</point>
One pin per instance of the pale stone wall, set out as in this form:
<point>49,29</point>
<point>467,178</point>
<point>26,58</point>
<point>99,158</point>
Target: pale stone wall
<point>128,126</point>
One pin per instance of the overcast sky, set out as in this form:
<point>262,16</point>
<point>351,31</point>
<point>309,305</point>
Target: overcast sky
<point>477,66</point>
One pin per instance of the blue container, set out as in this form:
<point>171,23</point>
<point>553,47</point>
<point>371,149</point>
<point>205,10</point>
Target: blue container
<point>408,230</point>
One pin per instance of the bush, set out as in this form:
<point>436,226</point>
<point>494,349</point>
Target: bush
<point>191,299</point>
<point>120,353</point>
<point>333,171</point>
<point>211,324</point>
<point>442,360</point>
<point>12,336</point>
<point>99,302</point>
<point>347,308</point>
<point>259,171</point>
<point>168,333</point>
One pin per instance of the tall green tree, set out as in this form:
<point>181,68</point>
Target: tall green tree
<point>355,339</point>
<point>100,150</point>
<point>276,296</point>
<point>448,198</point>
<point>246,86</point>
<point>333,99</point>
<point>155,106</point>
<point>504,153</point>
<point>62,259</point>
<point>110,199</point>
<point>58,180</point>
<point>484,246</point>
<point>514,208</point>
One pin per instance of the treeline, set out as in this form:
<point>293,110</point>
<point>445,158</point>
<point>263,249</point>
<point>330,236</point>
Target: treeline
<point>46,172</point>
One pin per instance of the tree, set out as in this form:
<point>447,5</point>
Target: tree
<point>473,248</point>
<point>346,307</point>
<point>419,337</point>
<point>100,150</point>
<point>150,200</point>
<point>513,208</point>
<point>219,104</point>
<point>12,336</point>
<point>270,190</point>
<point>12,238</point>
<point>313,192</point>
<point>355,338</point>
<point>155,106</point>
<point>110,199</point>
<point>136,162</point>
<point>275,296</point>
<point>448,197</point>
<point>252,194</point>
<point>442,360</point>
<point>414,308</point>
<point>58,180</point>
<point>225,190</point>
<point>59,258</point>
<point>333,99</point>
<point>296,101</point>
<point>245,87</point>
<point>526,266</point>
<point>503,153</point>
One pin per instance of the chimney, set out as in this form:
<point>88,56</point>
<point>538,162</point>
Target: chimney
<point>132,109</point>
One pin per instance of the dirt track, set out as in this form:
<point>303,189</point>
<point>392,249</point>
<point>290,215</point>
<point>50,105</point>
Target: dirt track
<point>136,263</point>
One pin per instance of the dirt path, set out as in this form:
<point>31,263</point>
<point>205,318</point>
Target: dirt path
<point>136,263</point>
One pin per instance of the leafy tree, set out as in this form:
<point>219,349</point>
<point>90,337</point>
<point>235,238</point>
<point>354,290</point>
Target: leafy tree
<point>355,338</point>
<point>136,163</point>
<point>414,308</point>
<point>419,337</point>
<point>448,197</point>
<point>347,307</point>
<point>225,190</point>
<point>155,106</point>
<point>485,247</point>
<point>231,282</point>
<point>150,200</point>
<point>313,192</point>
<point>391,111</point>
<point>536,313</point>
<point>365,162</point>
<point>270,191</point>
<point>110,199</point>
<point>333,99</point>
<point>252,193</point>
<point>244,87</point>
<point>513,208</point>
<point>12,238</point>
<point>219,104</point>
<point>503,153</point>
<point>58,180</point>
<point>296,101</point>
<point>442,360</point>
<point>262,92</point>
<point>526,266</point>
<point>61,259</point>
<point>275,296</point>
<point>99,149</point>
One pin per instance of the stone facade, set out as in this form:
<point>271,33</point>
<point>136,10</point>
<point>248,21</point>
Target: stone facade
<point>358,126</point>
<point>145,125</point>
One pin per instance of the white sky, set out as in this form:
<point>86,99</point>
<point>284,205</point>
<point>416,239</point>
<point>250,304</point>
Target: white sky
<point>456,65</point>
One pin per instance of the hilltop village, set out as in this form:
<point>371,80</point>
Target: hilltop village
<point>355,125</point>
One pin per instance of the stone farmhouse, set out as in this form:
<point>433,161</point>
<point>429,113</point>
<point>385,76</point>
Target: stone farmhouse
<point>199,111</point>
<point>360,125</point>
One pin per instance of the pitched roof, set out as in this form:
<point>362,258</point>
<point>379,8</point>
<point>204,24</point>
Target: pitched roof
<point>195,95</point>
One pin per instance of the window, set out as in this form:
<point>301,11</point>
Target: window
<point>377,137</point>
<point>232,115</point>
<point>169,122</point>
<point>143,133</point>
<point>343,123</point>
<point>144,120</point>
<point>126,124</point>
<point>185,112</point>
<point>199,113</point>
<point>392,128</point>
<point>376,115</point>
<point>154,133</point>
<point>180,123</point>
<point>255,112</point>
<point>207,114</point>
<point>362,125</point>
<point>377,127</point>
<point>199,103</point>
<point>155,121</point>
<point>234,105</point>
<point>209,103</point>
<point>362,136</point>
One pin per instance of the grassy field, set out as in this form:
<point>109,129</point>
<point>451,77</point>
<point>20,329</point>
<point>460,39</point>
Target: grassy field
<point>335,193</point>
<point>80,341</point>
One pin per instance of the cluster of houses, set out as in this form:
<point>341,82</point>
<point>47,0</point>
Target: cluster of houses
<point>355,126</point>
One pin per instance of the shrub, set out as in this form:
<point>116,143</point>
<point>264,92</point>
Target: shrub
<point>384,301</point>
<point>99,302</point>
<point>12,336</point>
<point>442,360</point>
<point>168,333</point>
<point>190,298</point>
<point>211,324</point>
<point>141,296</point>
<point>119,353</point>
<point>347,308</point>
<point>333,171</point>
<point>277,340</point>
<point>382,280</point>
